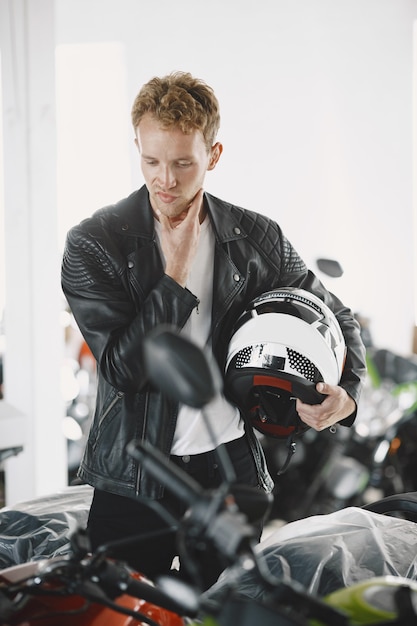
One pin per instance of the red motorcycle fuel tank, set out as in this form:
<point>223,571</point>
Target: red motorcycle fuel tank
<point>74,610</point>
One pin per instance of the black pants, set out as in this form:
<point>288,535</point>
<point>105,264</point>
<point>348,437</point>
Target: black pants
<point>114,517</point>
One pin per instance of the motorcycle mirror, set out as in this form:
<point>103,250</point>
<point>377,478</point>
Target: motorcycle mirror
<point>179,368</point>
<point>331,267</point>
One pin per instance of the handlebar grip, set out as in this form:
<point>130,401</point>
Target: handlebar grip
<point>151,594</point>
<point>115,577</point>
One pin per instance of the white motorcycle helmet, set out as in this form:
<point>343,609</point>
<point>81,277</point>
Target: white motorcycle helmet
<point>285,342</point>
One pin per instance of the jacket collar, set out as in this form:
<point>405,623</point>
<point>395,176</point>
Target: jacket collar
<point>226,226</point>
<point>133,215</point>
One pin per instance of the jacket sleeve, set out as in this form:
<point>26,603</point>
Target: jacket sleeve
<point>294,273</point>
<point>113,315</point>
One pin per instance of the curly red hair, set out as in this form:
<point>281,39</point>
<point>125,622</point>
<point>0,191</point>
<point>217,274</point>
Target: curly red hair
<point>179,100</point>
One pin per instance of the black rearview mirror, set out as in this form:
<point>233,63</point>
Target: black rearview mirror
<point>179,368</point>
<point>330,267</point>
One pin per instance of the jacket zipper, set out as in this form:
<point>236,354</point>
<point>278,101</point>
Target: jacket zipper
<point>142,438</point>
<point>118,397</point>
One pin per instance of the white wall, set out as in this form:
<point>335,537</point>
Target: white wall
<point>316,100</point>
<point>29,251</point>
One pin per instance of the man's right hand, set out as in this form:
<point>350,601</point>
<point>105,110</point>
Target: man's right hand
<point>179,239</point>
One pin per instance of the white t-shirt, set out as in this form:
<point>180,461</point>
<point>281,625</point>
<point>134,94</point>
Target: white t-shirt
<point>191,435</point>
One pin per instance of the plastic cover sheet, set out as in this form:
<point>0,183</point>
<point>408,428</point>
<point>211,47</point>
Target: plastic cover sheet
<point>323,553</point>
<point>41,528</point>
<point>328,552</point>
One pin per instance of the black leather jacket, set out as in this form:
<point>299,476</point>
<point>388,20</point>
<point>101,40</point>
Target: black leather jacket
<point>116,287</point>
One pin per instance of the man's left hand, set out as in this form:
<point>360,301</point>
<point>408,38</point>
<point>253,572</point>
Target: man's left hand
<point>336,406</point>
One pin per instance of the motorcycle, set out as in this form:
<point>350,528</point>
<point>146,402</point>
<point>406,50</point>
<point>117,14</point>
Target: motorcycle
<point>85,588</point>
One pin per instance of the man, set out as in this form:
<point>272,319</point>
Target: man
<point>172,254</point>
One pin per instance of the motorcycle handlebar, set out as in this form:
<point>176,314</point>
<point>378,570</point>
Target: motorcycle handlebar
<point>115,576</point>
<point>224,527</point>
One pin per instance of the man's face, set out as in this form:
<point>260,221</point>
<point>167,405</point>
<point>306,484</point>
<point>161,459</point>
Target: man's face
<point>173,165</point>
